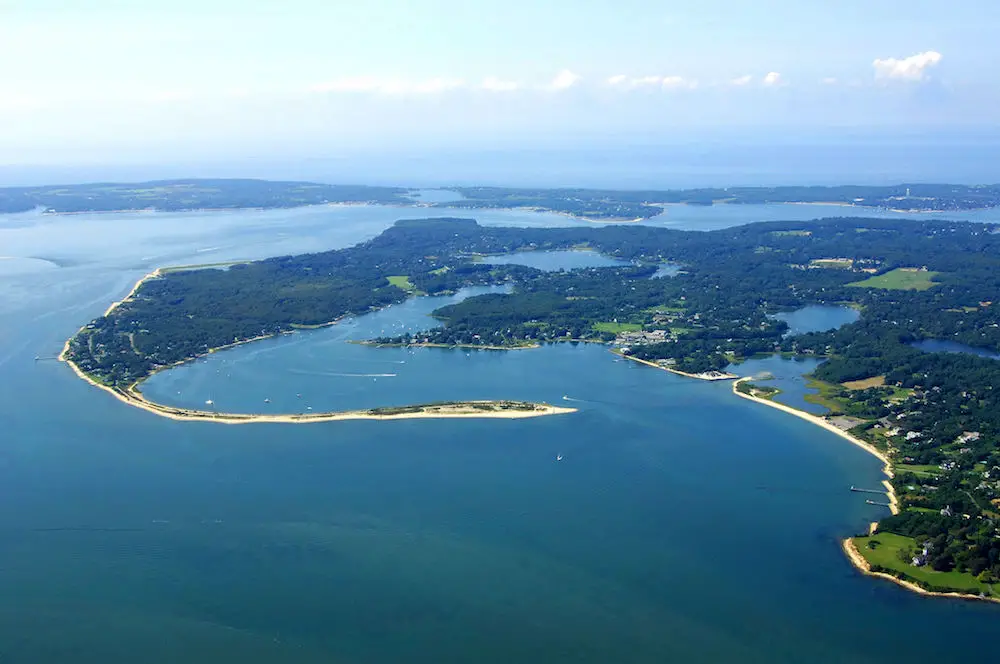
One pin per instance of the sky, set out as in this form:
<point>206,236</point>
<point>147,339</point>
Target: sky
<point>106,80</point>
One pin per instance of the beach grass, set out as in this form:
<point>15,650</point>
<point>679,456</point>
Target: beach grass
<point>826,395</point>
<point>903,278</point>
<point>885,555</point>
<point>617,328</point>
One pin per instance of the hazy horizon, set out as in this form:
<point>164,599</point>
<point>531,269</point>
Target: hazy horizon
<point>164,84</point>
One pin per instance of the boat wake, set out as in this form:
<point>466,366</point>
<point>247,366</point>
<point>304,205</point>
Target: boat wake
<point>342,375</point>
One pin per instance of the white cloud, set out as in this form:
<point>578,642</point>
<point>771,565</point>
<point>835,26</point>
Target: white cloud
<point>742,80</point>
<point>675,82</point>
<point>773,79</point>
<point>829,80</point>
<point>388,86</point>
<point>912,68</point>
<point>564,80</point>
<point>494,84</point>
<point>666,82</point>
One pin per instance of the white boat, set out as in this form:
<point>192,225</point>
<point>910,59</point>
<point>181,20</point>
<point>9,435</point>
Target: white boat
<point>558,457</point>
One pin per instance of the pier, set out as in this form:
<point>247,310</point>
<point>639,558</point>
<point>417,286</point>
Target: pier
<point>857,490</point>
<point>872,502</point>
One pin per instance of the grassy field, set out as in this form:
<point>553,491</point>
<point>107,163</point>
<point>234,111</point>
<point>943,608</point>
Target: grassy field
<point>403,282</point>
<point>885,555</point>
<point>918,470</point>
<point>875,381</point>
<point>616,328</point>
<point>904,278</point>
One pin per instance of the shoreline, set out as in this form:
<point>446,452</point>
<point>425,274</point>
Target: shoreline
<point>132,395</point>
<point>822,423</point>
<point>865,568</point>
<point>850,550</point>
<point>499,409</point>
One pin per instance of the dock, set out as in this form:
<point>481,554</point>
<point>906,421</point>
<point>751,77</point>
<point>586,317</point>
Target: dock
<point>857,490</point>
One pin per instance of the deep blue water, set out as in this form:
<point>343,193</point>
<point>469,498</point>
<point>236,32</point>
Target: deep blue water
<point>940,346</point>
<point>817,318</point>
<point>683,524</point>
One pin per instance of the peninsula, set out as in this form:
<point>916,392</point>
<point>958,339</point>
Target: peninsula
<point>933,418</point>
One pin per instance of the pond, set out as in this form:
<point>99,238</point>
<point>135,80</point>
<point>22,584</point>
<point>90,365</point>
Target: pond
<point>551,261</point>
<point>817,318</point>
<point>942,346</point>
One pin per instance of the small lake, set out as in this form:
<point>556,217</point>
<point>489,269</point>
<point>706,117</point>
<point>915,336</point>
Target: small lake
<point>942,346</point>
<point>817,318</point>
<point>551,261</point>
<point>788,376</point>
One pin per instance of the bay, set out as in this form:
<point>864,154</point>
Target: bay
<point>683,523</point>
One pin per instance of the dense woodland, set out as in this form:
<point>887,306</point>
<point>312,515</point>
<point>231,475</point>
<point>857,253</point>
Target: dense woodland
<point>937,414</point>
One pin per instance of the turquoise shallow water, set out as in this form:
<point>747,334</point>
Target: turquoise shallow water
<point>683,524</point>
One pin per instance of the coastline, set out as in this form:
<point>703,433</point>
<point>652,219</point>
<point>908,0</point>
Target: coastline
<point>858,560</point>
<point>865,568</point>
<point>454,410</point>
<point>822,423</point>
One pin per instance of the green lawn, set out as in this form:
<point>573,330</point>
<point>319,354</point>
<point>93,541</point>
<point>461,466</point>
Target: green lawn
<point>904,278</point>
<point>616,328</point>
<point>885,555</point>
<point>403,282</point>
<point>920,471</point>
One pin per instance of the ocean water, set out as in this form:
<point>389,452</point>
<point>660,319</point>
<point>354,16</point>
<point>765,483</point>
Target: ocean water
<point>683,523</point>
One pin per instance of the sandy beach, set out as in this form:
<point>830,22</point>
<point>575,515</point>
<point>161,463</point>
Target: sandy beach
<point>456,410</point>
<point>821,422</point>
<point>701,376</point>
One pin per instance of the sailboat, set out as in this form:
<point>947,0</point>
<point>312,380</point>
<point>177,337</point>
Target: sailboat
<point>558,457</point>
